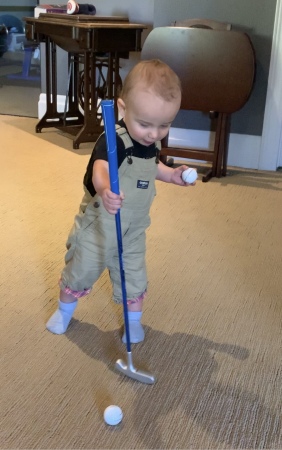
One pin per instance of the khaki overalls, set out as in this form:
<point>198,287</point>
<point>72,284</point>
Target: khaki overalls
<point>92,243</point>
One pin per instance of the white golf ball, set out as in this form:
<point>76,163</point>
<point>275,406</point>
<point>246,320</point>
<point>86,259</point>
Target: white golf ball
<point>189,175</point>
<point>113,415</point>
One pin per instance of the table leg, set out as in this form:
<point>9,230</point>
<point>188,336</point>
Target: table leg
<point>222,148</point>
<point>52,118</point>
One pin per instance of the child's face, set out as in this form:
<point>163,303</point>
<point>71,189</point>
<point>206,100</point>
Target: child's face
<point>147,116</point>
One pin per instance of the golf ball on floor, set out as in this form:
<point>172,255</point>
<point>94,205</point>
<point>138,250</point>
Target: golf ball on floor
<point>113,415</point>
<point>189,175</point>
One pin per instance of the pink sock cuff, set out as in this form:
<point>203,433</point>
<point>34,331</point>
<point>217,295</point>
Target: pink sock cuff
<point>138,299</point>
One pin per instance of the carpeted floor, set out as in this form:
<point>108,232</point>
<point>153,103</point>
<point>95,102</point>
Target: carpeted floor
<point>213,314</point>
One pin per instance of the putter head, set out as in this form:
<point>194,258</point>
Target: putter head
<point>130,371</point>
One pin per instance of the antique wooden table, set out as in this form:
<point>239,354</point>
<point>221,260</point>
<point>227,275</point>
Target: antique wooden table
<point>92,42</point>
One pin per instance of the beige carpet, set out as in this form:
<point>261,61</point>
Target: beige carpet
<point>213,314</point>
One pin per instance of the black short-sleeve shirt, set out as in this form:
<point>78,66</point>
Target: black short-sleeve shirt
<point>100,152</point>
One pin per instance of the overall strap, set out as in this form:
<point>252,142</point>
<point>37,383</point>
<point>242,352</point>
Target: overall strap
<point>159,145</point>
<point>123,134</point>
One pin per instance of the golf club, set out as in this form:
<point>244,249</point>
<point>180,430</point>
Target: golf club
<point>128,368</point>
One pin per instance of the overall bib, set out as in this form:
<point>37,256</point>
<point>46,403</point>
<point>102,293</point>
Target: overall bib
<point>92,243</point>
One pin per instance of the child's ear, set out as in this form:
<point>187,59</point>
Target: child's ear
<point>121,107</point>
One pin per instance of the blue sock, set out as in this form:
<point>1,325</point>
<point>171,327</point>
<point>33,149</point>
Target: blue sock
<point>59,321</point>
<point>136,330</point>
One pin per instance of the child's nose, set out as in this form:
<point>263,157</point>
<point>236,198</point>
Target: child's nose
<point>153,133</point>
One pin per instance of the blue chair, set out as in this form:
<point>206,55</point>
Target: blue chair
<point>12,23</point>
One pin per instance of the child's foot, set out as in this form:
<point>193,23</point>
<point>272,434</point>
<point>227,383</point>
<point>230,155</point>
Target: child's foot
<point>136,330</point>
<point>59,321</point>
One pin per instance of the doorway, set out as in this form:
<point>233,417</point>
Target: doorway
<point>19,62</point>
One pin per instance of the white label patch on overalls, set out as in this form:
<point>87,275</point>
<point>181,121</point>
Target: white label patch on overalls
<point>142,184</point>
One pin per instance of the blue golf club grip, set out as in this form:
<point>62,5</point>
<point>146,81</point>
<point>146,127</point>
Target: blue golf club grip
<point>110,132</point>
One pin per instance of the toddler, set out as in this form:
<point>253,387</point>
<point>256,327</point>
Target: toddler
<point>148,104</point>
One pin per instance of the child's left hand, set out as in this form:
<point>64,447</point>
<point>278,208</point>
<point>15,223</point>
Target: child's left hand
<point>176,176</point>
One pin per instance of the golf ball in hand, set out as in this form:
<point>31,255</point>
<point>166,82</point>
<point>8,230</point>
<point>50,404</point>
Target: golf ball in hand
<point>113,415</point>
<point>189,175</point>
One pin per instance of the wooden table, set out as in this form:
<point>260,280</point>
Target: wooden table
<point>85,38</point>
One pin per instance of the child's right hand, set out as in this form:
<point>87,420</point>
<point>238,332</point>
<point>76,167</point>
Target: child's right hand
<point>111,201</point>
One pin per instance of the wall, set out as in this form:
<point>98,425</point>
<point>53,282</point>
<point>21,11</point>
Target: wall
<point>271,141</point>
<point>17,8</point>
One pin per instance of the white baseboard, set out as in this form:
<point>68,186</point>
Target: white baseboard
<point>60,105</point>
<point>243,150</point>
<point>42,104</point>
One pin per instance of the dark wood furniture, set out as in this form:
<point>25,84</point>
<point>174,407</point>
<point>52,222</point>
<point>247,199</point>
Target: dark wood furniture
<point>217,69</point>
<point>86,39</point>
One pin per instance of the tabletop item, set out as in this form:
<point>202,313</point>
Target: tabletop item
<point>74,8</point>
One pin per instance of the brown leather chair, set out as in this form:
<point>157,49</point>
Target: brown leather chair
<point>216,68</point>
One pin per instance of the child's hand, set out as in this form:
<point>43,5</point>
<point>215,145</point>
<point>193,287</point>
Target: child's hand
<point>111,201</point>
<point>169,175</point>
<point>176,176</point>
